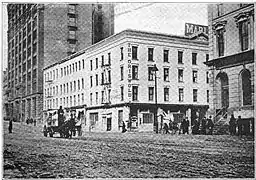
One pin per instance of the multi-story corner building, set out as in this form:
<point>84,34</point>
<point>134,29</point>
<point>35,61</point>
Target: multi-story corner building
<point>5,114</point>
<point>41,34</point>
<point>231,62</point>
<point>113,80</point>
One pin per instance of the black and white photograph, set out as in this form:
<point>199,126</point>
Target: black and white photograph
<point>145,90</point>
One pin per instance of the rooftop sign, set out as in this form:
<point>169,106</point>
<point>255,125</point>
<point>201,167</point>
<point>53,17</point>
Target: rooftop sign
<point>191,29</point>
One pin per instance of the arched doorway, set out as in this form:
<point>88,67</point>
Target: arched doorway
<point>222,90</point>
<point>246,89</point>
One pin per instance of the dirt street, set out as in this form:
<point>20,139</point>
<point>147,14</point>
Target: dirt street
<point>28,154</point>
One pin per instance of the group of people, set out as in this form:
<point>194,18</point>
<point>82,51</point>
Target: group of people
<point>31,121</point>
<point>238,127</point>
<point>204,127</point>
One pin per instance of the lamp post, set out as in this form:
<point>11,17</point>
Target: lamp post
<point>155,69</point>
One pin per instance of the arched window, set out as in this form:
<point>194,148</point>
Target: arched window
<point>246,87</point>
<point>222,90</point>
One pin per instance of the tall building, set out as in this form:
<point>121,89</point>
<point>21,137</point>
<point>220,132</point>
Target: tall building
<point>40,35</point>
<point>113,81</point>
<point>231,62</point>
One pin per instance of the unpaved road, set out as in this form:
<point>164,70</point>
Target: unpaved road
<point>27,154</point>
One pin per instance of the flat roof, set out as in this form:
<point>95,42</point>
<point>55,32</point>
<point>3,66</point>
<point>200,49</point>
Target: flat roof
<point>130,32</point>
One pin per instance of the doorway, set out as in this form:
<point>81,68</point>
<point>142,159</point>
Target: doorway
<point>109,124</point>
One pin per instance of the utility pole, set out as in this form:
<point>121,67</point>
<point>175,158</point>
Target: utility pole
<point>155,69</point>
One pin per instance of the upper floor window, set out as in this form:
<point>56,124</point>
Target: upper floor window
<point>194,74</point>
<point>91,80</point>
<point>180,57</point>
<point>246,87</point>
<point>109,58</point>
<point>166,94</point>
<point>135,93</point>
<point>166,74</point>
<point>181,94</point>
<point>134,52</point>
<point>150,54</point>
<point>194,95</point>
<point>122,93</point>
<point>166,54</point>
<point>96,63</point>
<point>207,77</point>
<point>207,96</point>
<point>102,60</point>
<point>243,33</point>
<point>180,75</point>
<point>150,73</point>
<point>71,8</point>
<point>91,64</point>
<point>122,72</point>
<point>219,9</point>
<point>206,57</point>
<point>220,41</point>
<point>72,34</point>
<point>135,72</point>
<point>194,58</point>
<point>151,93</point>
<point>122,53</point>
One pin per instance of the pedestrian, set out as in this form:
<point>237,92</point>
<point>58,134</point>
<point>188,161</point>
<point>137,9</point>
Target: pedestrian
<point>60,116</point>
<point>10,126</point>
<point>166,128</point>
<point>232,125</point>
<point>203,126</point>
<point>195,128</point>
<point>123,128</point>
<point>240,126</point>
<point>209,125</point>
<point>185,125</point>
<point>35,122</point>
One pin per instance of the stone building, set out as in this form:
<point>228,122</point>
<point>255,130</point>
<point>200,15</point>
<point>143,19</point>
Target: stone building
<point>40,35</point>
<point>113,80</point>
<point>231,63</point>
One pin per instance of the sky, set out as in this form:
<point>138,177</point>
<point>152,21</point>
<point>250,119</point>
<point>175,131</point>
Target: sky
<point>167,18</point>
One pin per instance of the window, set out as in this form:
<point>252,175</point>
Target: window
<point>78,83</point>
<point>207,77</point>
<point>122,93</point>
<point>246,87</point>
<point>96,79</point>
<point>194,57</point>
<point>74,85</point>
<point>74,100</point>
<point>96,97</point>
<point>102,96</point>
<point>64,88</point>
<point>122,72</point>
<point>180,75</point>
<point>82,63</point>
<point>109,95</point>
<point>134,52</point>
<point>60,89</point>
<point>147,118</point>
<point>109,76</point>
<point>61,72</point>
<point>135,72</point>
<point>82,98</point>
<point>102,60</point>
<point>96,65</point>
<point>73,66</point>
<point>150,54</point>
<point>82,83</point>
<point>150,73</point>
<point>243,33</point>
<point>207,57</point>
<point>219,9</point>
<point>70,86</point>
<point>194,95</point>
<point>120,119</point>
<point>102,78</point>
<point>166,74</point>
<point>64,71</point>
<point>135,93</point>
<point>207,96</point>
<point>181,94</point>
<point>166,54</point>
<point>91,80</point>
<point>71,8</point>
<point>151,93</point>
<point>180,57</point>
<point>220,41</point>
<point>90,98</point>
<point>194,76</point>
<point>91,64</point>
<point>72,34</point>
<point>79,65</point>
<point>109,58</point>
<point>76,66</point>
<point>166,94</point>
<point>122,53</point>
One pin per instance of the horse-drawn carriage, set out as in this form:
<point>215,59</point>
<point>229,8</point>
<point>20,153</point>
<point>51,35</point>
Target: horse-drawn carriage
<point>67,125</point>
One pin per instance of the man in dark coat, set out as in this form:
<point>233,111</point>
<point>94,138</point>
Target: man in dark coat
<point>60,116</point>
<point>195,128</point>
<point>166,128</point>
<point>232,125</point>
<point>203,125</point>
<point>185,125</point>
<point>10,126</point>
<point>209,125</point>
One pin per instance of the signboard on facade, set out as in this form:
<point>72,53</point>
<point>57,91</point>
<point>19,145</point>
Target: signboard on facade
<point>191,29</point>
<point>129,72</point>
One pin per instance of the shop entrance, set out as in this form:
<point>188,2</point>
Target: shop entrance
<point>109,124</point>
